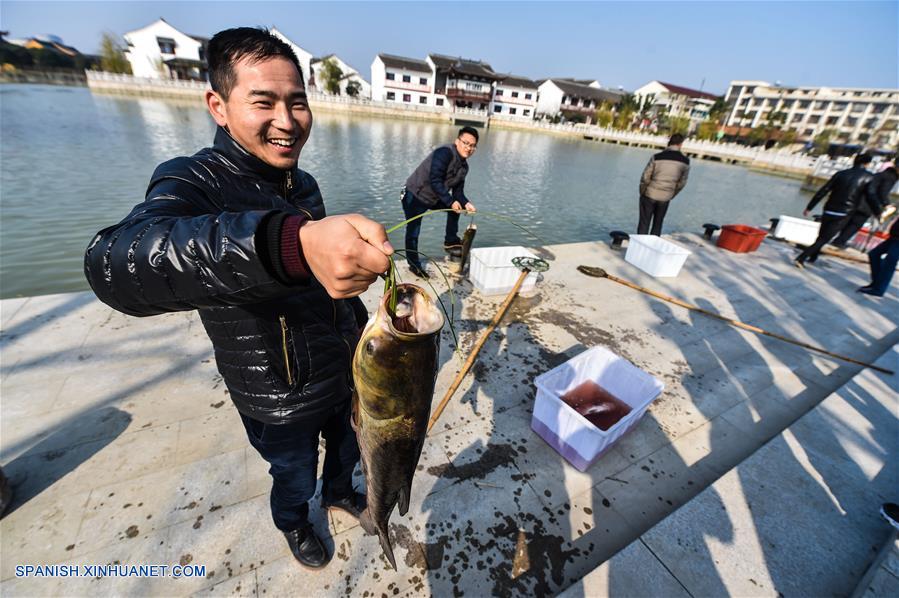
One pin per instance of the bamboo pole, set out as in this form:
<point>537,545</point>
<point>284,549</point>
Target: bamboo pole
<point>600,273</point>
<point>474,353</point>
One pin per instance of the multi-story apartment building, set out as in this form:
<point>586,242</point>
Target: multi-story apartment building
<point>437,81</point>
<point>462,82</point>
<point>514,96</point>
<point>403,80</point>
<point>867,117</point>
<point>574,99</point>
<point>677,100</point>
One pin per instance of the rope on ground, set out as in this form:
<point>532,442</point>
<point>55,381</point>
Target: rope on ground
<point>600,273</point>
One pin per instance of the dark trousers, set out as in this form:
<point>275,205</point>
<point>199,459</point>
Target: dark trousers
<point>830,226</point>
<point>292,452</point>
<point>411,208</point>
<point>856,221</point>
<point>883,260</point>
<point>651,211</point>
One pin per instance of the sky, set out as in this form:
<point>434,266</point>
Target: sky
<point>622,44</point>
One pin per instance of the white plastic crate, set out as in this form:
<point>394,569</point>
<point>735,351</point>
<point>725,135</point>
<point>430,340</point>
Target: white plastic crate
<point>570,433</point>
<point>493,273</point>
<point>655,255</point>
<point>797,230</point>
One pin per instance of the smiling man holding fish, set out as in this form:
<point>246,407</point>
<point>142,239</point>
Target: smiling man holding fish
<point>239,233</point>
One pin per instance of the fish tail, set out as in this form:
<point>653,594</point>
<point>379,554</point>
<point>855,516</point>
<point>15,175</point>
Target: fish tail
<point>372,529</point>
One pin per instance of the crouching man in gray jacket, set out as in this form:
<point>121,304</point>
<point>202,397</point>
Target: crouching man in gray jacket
<point>663,178</point>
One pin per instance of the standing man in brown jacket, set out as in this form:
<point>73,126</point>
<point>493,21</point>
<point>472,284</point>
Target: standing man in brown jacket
<point>663,178</point>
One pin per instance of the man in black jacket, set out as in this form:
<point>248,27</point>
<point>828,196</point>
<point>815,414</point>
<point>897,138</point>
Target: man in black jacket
<point>439,183</point>
<point>846,189</point>
<point>877,197</point>
<point>239,233</point>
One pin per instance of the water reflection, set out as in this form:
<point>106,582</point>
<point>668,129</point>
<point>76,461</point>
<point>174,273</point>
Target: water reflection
<point>72,162</point>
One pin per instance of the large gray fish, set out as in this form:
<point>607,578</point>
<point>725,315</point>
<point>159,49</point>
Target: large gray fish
<point>394,369</point>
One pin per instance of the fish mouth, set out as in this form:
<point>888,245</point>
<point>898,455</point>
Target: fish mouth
<point>415,313</point>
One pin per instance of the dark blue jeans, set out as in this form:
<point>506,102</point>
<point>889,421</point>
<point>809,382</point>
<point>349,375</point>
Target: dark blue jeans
<point>412,208</point>
<point>292,452</point>
<point>883,259</point>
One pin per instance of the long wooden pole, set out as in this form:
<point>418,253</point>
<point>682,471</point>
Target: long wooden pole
<point>474,353</point>
<point>600,273</point>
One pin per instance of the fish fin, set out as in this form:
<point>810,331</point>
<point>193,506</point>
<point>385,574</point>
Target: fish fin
<point>386,547</point>
<point>368,524</point>
<point>402,502</point>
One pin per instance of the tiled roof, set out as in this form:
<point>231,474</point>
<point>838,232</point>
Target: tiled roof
<point>519,82</point>
<point>686,91</point>
<point>464,66</point>
<point>401,62</point>
<point>585,91</point>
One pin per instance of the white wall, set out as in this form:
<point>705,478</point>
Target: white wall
<point>503,104</point>
<point>550,99</point>
<point>143,52</point>
<point>303,56</point>
<point>377,79</point>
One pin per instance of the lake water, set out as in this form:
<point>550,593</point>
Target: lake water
<point>73,162</point>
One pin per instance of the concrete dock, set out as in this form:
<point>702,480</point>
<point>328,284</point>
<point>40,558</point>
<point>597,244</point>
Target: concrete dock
<point>758,471</point>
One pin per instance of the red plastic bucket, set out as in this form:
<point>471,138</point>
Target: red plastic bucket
<point>740,238</point>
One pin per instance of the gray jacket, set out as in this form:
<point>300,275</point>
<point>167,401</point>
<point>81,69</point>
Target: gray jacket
<point>665,175</point>
<point>440,178</point>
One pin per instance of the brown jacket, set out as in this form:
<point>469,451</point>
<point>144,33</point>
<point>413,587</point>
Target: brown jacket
<point>665,175</point>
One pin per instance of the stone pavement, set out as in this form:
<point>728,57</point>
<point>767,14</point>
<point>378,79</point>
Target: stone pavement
<point>123,446</point>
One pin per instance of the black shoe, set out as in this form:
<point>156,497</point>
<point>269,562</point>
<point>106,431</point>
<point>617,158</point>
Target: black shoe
<point>418,271</point>
<point>863,289</point>
<point>307,548</point>
<point>353,505</point>
<point>890,512</point>
<point>870,291</point>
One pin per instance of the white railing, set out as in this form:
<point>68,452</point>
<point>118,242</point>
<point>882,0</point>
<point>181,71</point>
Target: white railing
<point>131,80</point>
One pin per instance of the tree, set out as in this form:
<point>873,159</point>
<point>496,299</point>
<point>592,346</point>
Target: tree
<point>678,124</point>
<point>331,74</point>
<point>788,138</point>
<point>112,55</point>
<point>708,130</point>
<point>604,116</point>
<point>822,141</point>
<point>353,88</point>
<point>718,110</point>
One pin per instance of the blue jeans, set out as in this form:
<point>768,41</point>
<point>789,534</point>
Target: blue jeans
<point>883,260</point>
<point>412,208</point>
<point>292,452</point>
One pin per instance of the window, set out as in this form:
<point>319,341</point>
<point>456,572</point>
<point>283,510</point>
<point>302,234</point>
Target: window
<point>858,107</point>
<point>514,94</point>
<point>804,104</point>
<point>527,96</point>
<point>832,120</point>
<point>879,108</point>
<point>797,118</point>
<point>838,106</point>
<point>423,100</point>
<point>407,79</point>
<point>423,80</point>
<point>391,76</point>
<point>391,96</point>
<point>166,45</point>
<point>871,123</point>
<point>513,110</point>
<point>819,106</point>
<point>497,109</point>
<point>850,122</point>
<point>809,132</point>
<point>813,119</point>
<point>483,106</point>
<point>439,101</point>
<point>407,97</point>
<point>499,92</point>
<point>526,113</point>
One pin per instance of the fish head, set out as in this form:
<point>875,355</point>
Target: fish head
<point>398,350</point>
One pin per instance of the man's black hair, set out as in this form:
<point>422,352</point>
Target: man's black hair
<point>228,47</point>
<point>470,130</point>
<point>676,139</point>
<point>862,159</point>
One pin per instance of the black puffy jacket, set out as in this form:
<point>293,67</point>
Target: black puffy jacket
<point>877,193</point>
<point>846,189</point>
<point>200,241</point>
